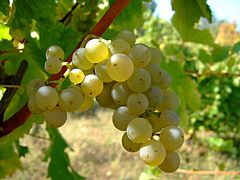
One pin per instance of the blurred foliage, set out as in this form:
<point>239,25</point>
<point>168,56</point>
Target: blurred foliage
<point>207,80</point>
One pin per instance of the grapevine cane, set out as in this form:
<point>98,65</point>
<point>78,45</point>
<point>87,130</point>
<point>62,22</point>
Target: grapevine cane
<point>22,115</point>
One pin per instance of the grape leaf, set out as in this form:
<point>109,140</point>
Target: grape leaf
<point>187,13</point>
<point>59,165</point>
<point>4,7</point>
<point>9,159</point>
<point>133,14</point>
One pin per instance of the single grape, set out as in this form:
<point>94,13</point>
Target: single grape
<point>156,56</point>
<point>155,72</point>
<point>120,93</point>
<point>105,99</point>
<point>32,106</point>
<point>120,67</point>
<point>46,98</point>
<point>86,104</point>
<point>171,162</point>
<point>70,99</point>
<point>140,55</point>
<point>101,72</point>
<point>171,137</point>
<point>79,60</point>
<point>139,81</point>
<point>96,51</point>
<point>56,117</point>
<point>129,145</point>
<point>76,76</point>
<point>119,46</point>
<point>128,36</point>
<point>165,81</point>
<point>92,85</point>
<point>137,103</point>
<point>55,52</point>
<point>139,130</point>
<point>33,86</point>
<point>168,118</point>
<point>121,118</point>
<point>154,120</point>
<point>155,96</point>
<point>170,101</point>
<point>53,65</point>
<point>152,152</point>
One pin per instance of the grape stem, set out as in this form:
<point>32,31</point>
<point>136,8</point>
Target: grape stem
<point>11,89</point>
<point>22,115</point>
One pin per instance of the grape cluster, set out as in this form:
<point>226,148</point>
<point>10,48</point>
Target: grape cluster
<point>123,76</point>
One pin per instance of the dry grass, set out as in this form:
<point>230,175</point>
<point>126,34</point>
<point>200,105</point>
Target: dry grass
<point>97,154</point>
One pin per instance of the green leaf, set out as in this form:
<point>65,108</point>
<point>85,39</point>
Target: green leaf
<point>131,17</point>
<point>236,47</point>
<point>4,32</point>
<point>4,7</point>
<point>22,150</point>
<point>187,13</point>
<point>59,166</point>
<point>9,159</point>
<point>220,53</point>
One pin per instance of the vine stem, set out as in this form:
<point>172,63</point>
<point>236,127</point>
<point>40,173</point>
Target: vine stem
<point>192,172</point>
<point>22,115</point>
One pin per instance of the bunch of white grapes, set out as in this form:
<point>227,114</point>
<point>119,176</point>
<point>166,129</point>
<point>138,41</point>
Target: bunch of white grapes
<point>123,76</point>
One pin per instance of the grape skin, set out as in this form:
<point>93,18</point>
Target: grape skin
<point>46,98</point>
<point>80,61</point>
<point>76,76</point>
<point>171,162</point>
<point>129,145</point>
<point>56,117</point>
<point>137,103</point>
<point>119,67</point>
<point>120,93</point>
<point>139,130</point>
<point>33,86</point>
<point>171,137</point>
<point>152,152</point>
<point>101,72</point>
<point>119,46</point>
<point>55,51</point>
<point>105,98</point>
<point>92,85</point>
<point>128,36</point>
<point>170,101</point>
<point>53,65</point>
<point>32,106</point>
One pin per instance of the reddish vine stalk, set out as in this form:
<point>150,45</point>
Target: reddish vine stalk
<point>22,115</point>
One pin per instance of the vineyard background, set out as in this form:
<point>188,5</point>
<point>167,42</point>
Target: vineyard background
<point>204,65</point>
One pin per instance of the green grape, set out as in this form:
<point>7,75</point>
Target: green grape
<point>156,56</point>
<point>166,81</point>
<point>53,65</point>
<point>32,106</point>
<point>120,93</point>
<point>152,152</point>
<point>86,104</point>
<point>96,51</point>
<point>155,96</point>
<point>129,145</point>
<point>33,86</point>
<point>92,85</point>
<point>140,55</point>
<point>56,117</point>
<point>170,101</point>
<point>55,52</point>
<point>46,98</point>
<point>101,72</point>
<point>128,36</point>
<point>154,120</point>
<point>172,137</point>
<point>139,130</point>
<point>70,99</point>
<point>119,46</point>
<point>171,162</point>
<point>121,118</point>
<point>119,67</point>
<point>168,118</point>
<point>79,60</point>
<point>76,76</point>
<point>155,72</point>
<point>137,103</point>
<point>139,81</point>
<point>105,99</point>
